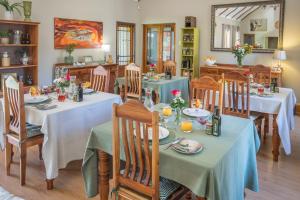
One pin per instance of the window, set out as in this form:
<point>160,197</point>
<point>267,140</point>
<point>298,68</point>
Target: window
<point>125,43</point>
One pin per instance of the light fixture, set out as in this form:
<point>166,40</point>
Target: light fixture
<point>279,55</point>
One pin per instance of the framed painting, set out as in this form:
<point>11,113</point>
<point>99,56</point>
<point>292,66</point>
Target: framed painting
<point>84,34</point>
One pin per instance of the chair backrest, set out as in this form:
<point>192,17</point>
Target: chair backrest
<point>171,66</point>
<point>133,81</point>
<point>236,95</point>
<point>14,110</point>
<point>131,122</point>
<point>216,77</point>
<point>207,89</point>
<point>261,74</point>
<point>100,79</point>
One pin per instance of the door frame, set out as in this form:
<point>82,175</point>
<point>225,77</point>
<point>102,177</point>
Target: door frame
<point>160,43</point>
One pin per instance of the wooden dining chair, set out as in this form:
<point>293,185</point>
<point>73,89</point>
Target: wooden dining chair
<point>207,89</point>
<point>237,99</point>
<point>216,77</point>
<point>100,79</point>
<point>171,66</point>
<point>133,82</point>
<point>18,133</point>
<point>140,177</point>
<point>261,74</point>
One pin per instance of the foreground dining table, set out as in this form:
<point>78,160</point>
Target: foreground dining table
<point>163,87</point>
<point>66,128</point>
<point>225,167</point>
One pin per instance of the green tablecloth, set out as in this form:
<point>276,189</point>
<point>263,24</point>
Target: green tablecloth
<point>222,170</point>
<point>164,87</point>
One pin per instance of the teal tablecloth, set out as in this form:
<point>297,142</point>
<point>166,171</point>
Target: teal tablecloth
<point>222,170</point>
<point>164,87</point>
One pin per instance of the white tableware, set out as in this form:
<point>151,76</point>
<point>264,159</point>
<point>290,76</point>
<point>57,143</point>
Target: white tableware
<point>88,91</point>
<point>196,112</point>
<point>266,94</point>
<point>188,147</point>
<point>163,133</point>
<point>36,99</point>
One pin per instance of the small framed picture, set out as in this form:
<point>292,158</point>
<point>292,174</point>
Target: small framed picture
<point>88,59</point>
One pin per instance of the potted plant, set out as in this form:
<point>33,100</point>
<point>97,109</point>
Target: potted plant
<point>69,49</point>
<point>10,8</point>
<point>4,37</point>
<point>240,52</point>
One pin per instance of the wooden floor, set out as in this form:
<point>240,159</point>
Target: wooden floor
<point>277,180</point>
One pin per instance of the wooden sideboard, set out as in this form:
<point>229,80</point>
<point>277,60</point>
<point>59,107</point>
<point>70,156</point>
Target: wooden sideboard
<point>225,68</point>
<point>83,73</point>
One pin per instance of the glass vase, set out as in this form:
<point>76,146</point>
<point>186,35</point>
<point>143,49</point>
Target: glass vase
<point>178,116</point>
<point>27,10</point>
<point>239,61</point>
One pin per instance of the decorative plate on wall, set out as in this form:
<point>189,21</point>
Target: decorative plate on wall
<point>84,34</point>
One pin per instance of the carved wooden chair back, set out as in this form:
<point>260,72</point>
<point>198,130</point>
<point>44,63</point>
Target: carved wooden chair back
<point>133,81</point>
<point>100,79</point>
<point>261,74</point>
<point>209,91</point>
<point>171,66</point>
<point>216,77</point>
<point>14,110</point>
<point>237,95</point>
<point>131,122</point>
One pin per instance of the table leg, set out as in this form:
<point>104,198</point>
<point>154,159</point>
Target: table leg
<point>275,139</point>
<point>50,184</point>
<point>103,167</point>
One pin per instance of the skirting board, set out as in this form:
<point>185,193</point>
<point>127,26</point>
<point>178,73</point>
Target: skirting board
<point>298,109</point>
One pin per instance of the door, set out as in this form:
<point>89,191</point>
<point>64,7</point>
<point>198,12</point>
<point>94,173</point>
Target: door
<point>159,45</point>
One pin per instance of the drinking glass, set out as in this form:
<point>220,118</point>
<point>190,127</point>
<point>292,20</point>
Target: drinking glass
<point>187,126</point>
<point>166,114</point>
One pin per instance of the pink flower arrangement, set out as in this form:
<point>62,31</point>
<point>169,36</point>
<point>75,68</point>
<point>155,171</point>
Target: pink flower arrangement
<point>152,67</point>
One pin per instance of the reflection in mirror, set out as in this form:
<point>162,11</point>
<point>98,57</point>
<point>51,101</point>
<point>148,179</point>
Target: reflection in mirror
<point>258,24</point>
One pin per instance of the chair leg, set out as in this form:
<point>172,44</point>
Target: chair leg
<point>23,158</point>
<point>8,157</point>
<point>41,151</point>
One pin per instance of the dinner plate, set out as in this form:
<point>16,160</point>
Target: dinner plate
<point>188,147</point>
<point>34,100</point>
<point>195,112</point>
<point>88,91</point>
<point>163,133</point>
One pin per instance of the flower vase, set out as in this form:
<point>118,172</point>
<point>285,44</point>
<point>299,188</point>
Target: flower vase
<point>27,10</point>
<point>239,61</point>
<point>178,116</point>
<point>69,59</point>
<point>61,94</point>
<point>8,15</point>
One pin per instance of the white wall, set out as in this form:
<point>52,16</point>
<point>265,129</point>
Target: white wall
<point>106,11</point>
<point>160,11</point>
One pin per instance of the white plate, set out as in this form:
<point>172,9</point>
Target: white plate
<point>188,147</point>
<point>194,112</point>
<point>88,91</point>
<point>163,133</point>
<point>266,95</point>
<point>37,99</point>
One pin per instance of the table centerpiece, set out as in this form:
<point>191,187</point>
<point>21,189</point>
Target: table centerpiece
<point>62,83</point>
<point>240,52</point>
<point>178,103</point>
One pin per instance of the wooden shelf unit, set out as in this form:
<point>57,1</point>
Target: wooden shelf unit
<point>189,43</point>
<point>32,28</point>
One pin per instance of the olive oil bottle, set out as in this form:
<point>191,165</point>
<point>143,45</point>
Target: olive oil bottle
<point>216,122</point>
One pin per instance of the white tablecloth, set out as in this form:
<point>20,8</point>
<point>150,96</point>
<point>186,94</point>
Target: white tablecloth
<point>282,104</point>
<point>66,128</point>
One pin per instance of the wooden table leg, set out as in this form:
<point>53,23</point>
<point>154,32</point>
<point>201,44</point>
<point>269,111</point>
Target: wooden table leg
<point>103,167</point>
<point>50,184</point>
<point>275,139</point>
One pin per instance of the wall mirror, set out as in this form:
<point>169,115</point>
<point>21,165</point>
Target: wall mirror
<point>259,24</point>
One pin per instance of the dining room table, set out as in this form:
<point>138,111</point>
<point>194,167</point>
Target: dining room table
<point>222,170</point>
<point>66,127</point>
<point>162,86</point>
<point>280,109</point>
